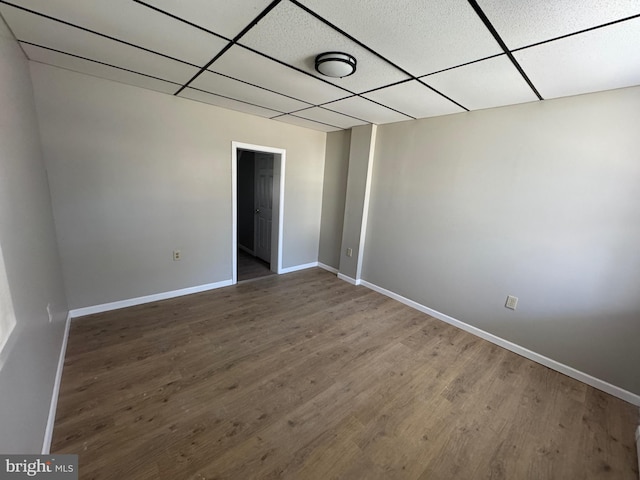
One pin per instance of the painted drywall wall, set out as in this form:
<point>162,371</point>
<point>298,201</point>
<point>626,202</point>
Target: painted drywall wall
<point>135,174</point>
<point>334,194</point>
<point>31,268</point>
<point>357,198</point>
<point>540,201</point>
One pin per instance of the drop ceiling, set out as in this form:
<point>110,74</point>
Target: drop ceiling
<point>416,58</point>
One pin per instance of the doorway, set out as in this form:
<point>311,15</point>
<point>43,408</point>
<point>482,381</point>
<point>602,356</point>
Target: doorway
<point>257,209</point>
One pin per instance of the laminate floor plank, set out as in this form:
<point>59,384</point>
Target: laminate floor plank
<point>250,267</point>
<point>303,376</point>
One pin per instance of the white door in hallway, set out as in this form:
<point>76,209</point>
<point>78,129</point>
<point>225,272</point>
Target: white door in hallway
<point>264,205</point>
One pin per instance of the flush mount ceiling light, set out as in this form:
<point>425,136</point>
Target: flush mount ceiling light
<point>336,64</point>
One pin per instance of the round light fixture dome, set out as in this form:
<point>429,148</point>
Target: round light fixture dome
<point>336,64</point>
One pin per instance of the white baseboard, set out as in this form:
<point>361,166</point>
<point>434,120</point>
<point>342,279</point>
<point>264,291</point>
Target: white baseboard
<point>536,357</point>
<point>245,249</point>
<point>295,268</point>
<point>106,307</point>
<point>48,433</point>
<point>328,268</point>
<point>348,279</point>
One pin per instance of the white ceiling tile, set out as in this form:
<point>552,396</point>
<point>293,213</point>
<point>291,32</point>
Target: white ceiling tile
<point>302,122</point>
<point>218,84</point>
<point>420,36</point>
<point>243,64</point>
<point>490,83</point>
<point>88,67</point>
<point>35,29</point>
<point>525,23</point>
<point>229,103</point>
<point>136,24</point>
<point>224,17</point>
<point>600,59</point>
<point>414,99</point>
<point>366,110</point>
<point>295,37</point>
<point>323,115</point>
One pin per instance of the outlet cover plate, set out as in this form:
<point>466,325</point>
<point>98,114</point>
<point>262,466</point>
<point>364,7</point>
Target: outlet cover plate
<point>512,302</point>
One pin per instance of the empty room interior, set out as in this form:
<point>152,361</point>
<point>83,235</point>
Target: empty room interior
<point>314,239</point>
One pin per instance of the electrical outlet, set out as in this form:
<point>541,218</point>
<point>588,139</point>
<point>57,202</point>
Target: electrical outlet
<point>49,312</point>
<point>177,255</point>
<point>349,252</point>
<point>512,302</point>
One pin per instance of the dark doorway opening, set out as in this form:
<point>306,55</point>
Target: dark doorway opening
<point>254,213</point>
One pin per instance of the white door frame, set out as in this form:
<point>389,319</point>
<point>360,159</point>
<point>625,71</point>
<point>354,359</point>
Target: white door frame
<point>279,161</point>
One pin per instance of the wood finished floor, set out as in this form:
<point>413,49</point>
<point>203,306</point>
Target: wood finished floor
<point>250,267</point>
<point>303,376</point>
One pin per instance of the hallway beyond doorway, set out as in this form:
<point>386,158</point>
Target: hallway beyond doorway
<point>250,267</point>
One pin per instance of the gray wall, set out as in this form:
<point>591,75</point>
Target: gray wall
<point>135,174</point>
<point>541,201</point>
<point>356,198</point>
<point>246,205</point>
<point>334,194</point>
<point>27,242</point>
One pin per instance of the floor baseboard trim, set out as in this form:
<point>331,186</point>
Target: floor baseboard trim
<point>296,268</point>
<point>245,249</point>
<point>328,268</point>
<point>531,355</point>
<point>106,307</point>
<point>48,433</point>
<point>348,279</point>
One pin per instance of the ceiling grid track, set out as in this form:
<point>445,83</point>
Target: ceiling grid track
<point>258,86</point>
<point>96,61</point>
<point>369,49</point>
<point>377,103</point>
<point>591,29</point>
<point>308,120</point>
<point>462,65</point>
<point>284,64</point>
<point>236,100</point>
<point>235,40</point>
<point>314,121</point>
<point>504,47</point>
<point>84,29</point>
<point>329,110</point>
<point>231,43</point>
<point>175,17</point>
<point>384,92</point>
